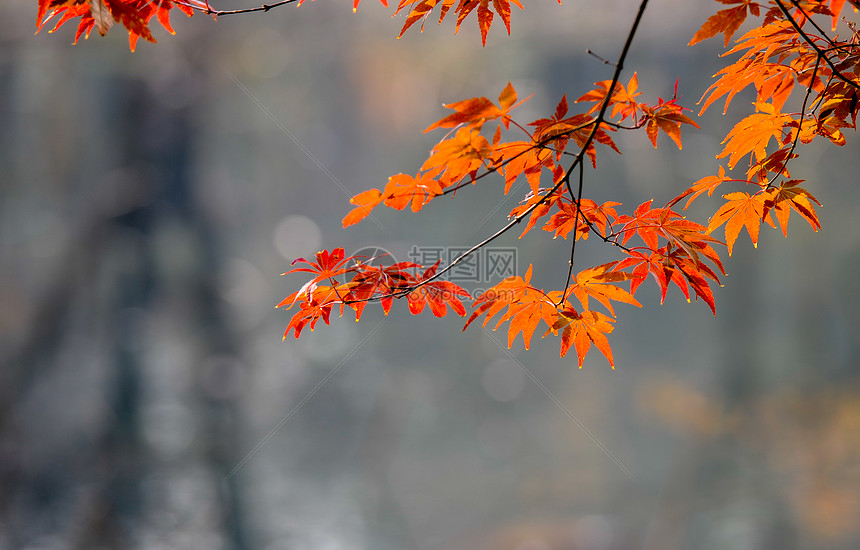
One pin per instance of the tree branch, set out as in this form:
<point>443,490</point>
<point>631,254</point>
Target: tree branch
<point>619,66</point>
<point>814,46</point>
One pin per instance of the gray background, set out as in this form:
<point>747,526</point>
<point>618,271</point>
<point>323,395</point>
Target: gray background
<point>148,204</point>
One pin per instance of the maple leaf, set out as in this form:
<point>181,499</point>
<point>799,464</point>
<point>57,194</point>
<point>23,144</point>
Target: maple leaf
<point>590,213</point>
<point>525,158</point>
<point>646,264</point>
<point>485,18</point>
<point>539,211</point>
<point>557,132</point>
<point>638,223</point>
<point>459,156</point>
<point>753,66</point>
<point>503,8</point>
<point>623,100</point>
<point>562,221</point>
<point>365,201</point>
<point>101,16</point>
<point>775,162</point>
<point>526,307</point>
<point>840,104</point>
<point>667,265</point>
<point>726,21</point>
<point>653,224</point>
<point>598,282</point>
<point>473,111</point>
<point>164,7</point>
<point>667,117</point>
<point>309,313</point>
<point>418,11</point>
<point>403,190</point>
<point>315,303</point>
<point>790,196</point>
<point>774,84</point>
<point>741,210</point>
<point>752,134</point>
<point>689,270</point>
<point>835,10</point>
<point>825,125</point>
<point>355,4</point>
<point>601,216</point>
<point>707,184</point>
<point>67,11</point>
<point>134,15</point>
<point>583,329</point>
<point>437,294</point>
<point>372,281</point>
<point>328,265</point>
<point>478,110</point>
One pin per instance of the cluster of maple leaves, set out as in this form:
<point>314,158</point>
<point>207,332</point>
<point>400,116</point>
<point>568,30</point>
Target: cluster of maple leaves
<point>653,241</point>
<point>786,50</point>
<point>670,247</point>
<point>135,15</point>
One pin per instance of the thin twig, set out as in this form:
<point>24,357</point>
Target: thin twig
<point>573,244</point>
<point>799,124</point>
<point>218,13</point>
<point>814,46</point>
<point>812,21</point>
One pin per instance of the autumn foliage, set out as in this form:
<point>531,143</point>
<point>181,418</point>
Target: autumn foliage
<point>802,59</point>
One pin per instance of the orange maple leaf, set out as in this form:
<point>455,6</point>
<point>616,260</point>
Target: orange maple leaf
<point>539,211</point>
<point>377,281</point>
<point>667,265</point>
<point>590,212</point>
<point>741,210</point>
<point>752,134</point>
<point>403,190</point>
<point>478,110</point>
<point>134,15</point>
<point>726,21</point>
<point>365,202</point>
<point>459,156</point>
<point>315,303</point>
<point>707,184</point>
<point>667,117</point>
<point>598,282</point>
<point>554,132</point>
<point>790,196</point>
<point>437,294</point>
<point>327,266</point>
<point>581,330</point>
<point>516,158</point>
<point>623,100</point>
<point>526,307</point>
<point>419,11</point>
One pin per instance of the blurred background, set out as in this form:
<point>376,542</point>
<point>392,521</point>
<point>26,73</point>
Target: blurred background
<point>150,200</point>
